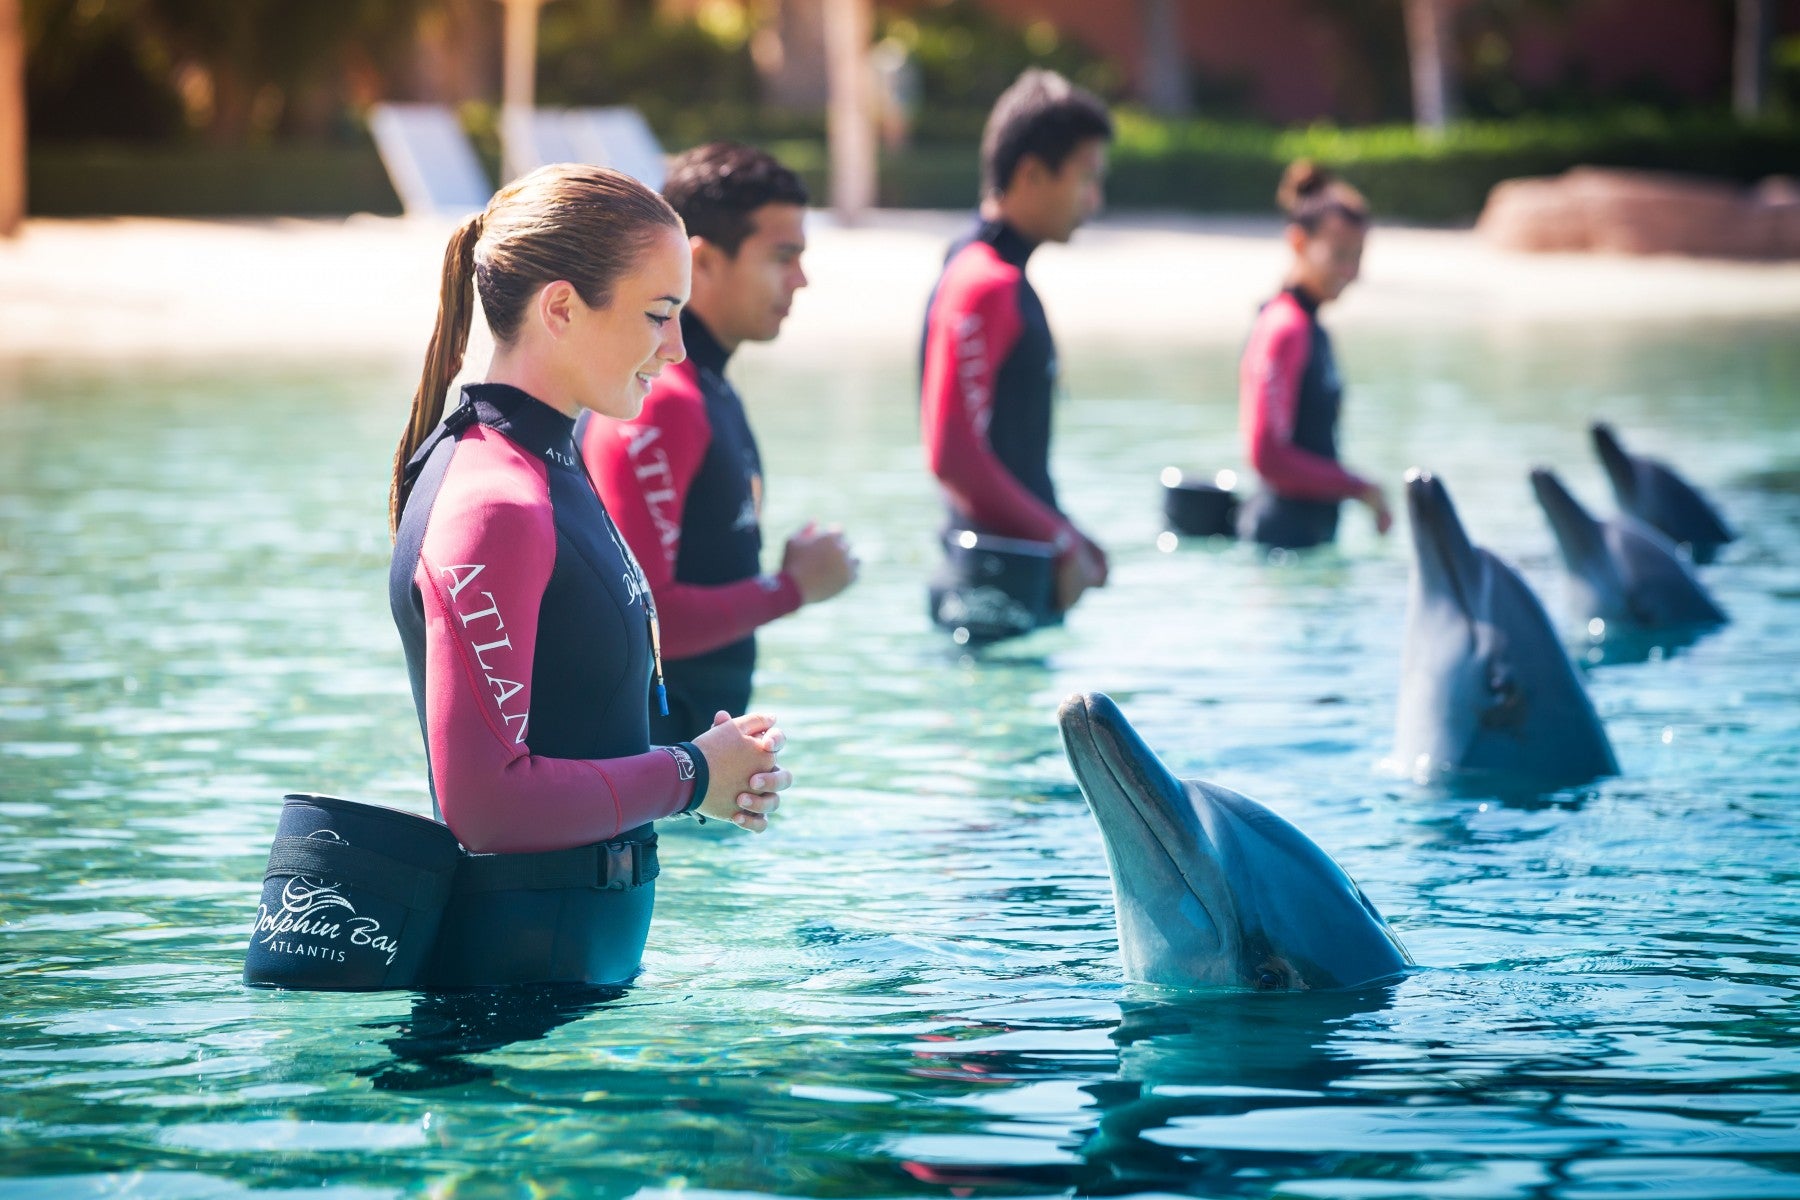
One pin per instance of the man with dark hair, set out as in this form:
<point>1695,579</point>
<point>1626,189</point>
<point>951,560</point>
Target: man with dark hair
<point>683,481</point>
<point>989,361</point>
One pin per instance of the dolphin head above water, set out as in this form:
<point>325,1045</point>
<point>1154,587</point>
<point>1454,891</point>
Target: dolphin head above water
<point>1622,570</point>
<point>1486,687</point>
<point>1211,888</point>
<point>1652,492</point>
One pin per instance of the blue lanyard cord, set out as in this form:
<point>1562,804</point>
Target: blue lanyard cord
<point>643,589</point>
<point>642,586</point>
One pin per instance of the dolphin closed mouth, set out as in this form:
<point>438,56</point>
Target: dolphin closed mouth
<point>1578,534</point>
<point>1620,468</point>
<point>1211,889</point>
<point>1116,769</point>
<point>1143,810</point>
<point>1448,562</point>
<point>1623,569</point>
<point>1655,494</point>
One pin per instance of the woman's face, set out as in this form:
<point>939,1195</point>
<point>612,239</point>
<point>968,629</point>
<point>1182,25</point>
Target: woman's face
<point>614,352</point>
<point>1328,259</point>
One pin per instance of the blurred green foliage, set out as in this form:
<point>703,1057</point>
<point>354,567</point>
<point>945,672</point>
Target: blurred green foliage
<point>1187,166</point>
<point>1412,176</point>
<point>1233,167</point>
<point>965,57</point>
<point>198,180</point>
<point>248,106</point>
<point>601,53</point>
<point>233,70</point>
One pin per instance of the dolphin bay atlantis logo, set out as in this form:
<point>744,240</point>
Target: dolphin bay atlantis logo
<point>316,920</point>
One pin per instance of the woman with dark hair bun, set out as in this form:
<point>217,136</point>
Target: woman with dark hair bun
<point>1289,391</point>
<point>529,633</point>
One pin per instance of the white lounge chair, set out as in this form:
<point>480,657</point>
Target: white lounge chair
<point>605,137</point>
<point>429,160</point>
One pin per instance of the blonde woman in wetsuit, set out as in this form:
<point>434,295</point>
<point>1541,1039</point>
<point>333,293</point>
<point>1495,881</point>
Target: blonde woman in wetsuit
<point>529,633</point>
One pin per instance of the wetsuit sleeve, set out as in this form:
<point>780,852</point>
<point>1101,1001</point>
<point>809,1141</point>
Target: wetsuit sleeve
<point>644,470</point>
<point>481,576</point>
<point>972,328</point>
<point>1269,378</point>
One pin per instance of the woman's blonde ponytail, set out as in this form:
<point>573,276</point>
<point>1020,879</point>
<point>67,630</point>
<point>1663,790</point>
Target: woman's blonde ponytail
<point>443,358</point>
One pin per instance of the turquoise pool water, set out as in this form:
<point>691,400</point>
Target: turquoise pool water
<point>909,986</point>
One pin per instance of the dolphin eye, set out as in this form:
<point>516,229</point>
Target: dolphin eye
<point>1273,974</point>
<point>1506,705</point>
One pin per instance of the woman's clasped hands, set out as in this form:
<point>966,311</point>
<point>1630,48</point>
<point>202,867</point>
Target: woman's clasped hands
<point>745,780</point>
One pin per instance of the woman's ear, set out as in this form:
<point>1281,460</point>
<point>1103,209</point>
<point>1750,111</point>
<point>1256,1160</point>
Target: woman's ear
<point>556,306</point>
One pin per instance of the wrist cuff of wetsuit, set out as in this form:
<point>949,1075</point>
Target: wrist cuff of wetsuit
<point>702,776</point>
<point>787,587</point>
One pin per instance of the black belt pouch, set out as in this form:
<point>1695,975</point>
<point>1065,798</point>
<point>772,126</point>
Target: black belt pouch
<point>994,587</point>
<point>351,897</point>
<point>1196,509</point>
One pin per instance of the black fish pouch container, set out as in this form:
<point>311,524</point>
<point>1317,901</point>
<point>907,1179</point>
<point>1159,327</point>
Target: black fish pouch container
<point>994,587</point>
<point>1196,508</point>
<point>352,897</point>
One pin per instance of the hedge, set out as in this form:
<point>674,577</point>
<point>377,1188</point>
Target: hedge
<point>1197,166</point>
<point>1193,166</point>
<point>152,179</point>
<point>1408,175</point>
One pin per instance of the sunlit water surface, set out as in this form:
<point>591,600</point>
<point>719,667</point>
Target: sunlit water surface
<point>910,985</point>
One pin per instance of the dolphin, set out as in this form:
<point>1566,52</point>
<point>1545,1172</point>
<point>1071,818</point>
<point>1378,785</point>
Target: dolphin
<point>1623,571</point>
<point>1211,889</point>
<point>1486,688</point>
<point>1652,492</point>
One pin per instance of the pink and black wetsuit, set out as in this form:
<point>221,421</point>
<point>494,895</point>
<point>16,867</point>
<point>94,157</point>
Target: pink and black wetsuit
<point>987,388</point>
<point>684,482</point>
<point>526,633</point>
<point>1289,395</point>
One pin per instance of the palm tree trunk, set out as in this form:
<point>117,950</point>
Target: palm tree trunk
<point>850,117</point>
<point>790,55</point>
<point>1433,78</point>
<point>1164,85</point>
<point>12,118</point>
<point>1750,69</point>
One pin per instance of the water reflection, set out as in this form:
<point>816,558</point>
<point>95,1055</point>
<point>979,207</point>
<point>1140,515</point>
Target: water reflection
<point>1186,1065</point>
<point>1180,1063</point>
<point>432,1045</point>
<point>1615,644</point>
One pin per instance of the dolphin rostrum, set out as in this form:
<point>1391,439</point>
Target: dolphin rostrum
<point>1212,889</point>
<point>1652,492</point>
<point>1622,570</point>
<point>1486,688</point>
